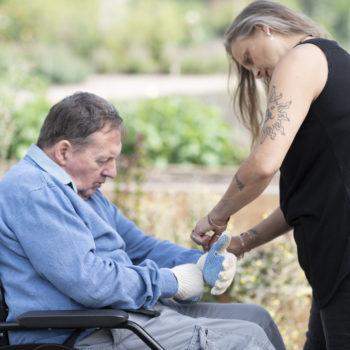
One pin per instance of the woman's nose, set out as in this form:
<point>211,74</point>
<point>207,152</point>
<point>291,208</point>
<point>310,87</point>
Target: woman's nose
<point>257,73</point>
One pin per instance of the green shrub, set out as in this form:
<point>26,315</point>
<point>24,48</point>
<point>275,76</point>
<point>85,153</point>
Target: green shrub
<point>59,65</point>
<point>179,130</point>
<point>172,130</point>
<point>27,119</point>
<point>21,101</point>
<point>56,64</point>
<point>110,36</point>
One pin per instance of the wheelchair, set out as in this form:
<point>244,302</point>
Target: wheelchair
<point>76,320</point>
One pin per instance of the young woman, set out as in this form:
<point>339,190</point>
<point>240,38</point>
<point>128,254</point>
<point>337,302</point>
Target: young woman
<point>304,133</point>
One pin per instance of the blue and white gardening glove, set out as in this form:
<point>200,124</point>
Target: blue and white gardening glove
<point>190,282</point>
<point>218,265</point>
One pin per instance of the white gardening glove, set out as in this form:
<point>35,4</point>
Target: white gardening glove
<point>190,281</point>
<point>218,265</point>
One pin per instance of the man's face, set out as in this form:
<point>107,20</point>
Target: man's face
<point>90,165</point>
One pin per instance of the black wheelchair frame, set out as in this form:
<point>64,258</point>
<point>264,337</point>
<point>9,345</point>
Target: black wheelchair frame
<point>77,320</point>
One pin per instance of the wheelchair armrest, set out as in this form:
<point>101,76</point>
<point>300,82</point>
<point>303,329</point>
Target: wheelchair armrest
<point>103,318</point>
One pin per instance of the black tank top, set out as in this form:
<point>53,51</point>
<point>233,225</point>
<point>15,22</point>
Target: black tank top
<point>315,180</point>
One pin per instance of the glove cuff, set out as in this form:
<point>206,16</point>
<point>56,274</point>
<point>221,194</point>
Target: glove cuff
<point>201,261</point>
<point>190,281</point>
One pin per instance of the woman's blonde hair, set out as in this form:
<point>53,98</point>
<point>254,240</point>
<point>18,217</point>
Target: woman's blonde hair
<point>280,19</point>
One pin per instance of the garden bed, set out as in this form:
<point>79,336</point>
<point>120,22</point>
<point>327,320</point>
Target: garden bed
<point>168,202</point>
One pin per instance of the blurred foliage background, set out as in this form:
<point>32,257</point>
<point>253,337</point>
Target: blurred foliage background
<point>46,42</point>
<point>65,40</point>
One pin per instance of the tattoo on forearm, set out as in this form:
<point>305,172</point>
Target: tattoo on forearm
<point>249,237</point>
<point>275,116</point>
<point>255,232</point>
<point>250,233</point>
<point>239,183</point>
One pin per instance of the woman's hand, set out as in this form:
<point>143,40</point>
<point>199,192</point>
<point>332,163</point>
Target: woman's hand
<point>236,246</point>
<point>200,233</point>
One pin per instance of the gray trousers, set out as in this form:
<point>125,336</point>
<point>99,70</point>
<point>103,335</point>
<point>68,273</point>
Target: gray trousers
<point>202,326</point>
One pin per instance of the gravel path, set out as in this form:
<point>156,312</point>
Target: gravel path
<point>128,87</point>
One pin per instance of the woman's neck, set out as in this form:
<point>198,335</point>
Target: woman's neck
<point>304,38</point>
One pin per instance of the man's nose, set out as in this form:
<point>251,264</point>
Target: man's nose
<point>110,170</point>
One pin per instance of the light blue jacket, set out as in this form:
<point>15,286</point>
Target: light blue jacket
<point>58,251</point>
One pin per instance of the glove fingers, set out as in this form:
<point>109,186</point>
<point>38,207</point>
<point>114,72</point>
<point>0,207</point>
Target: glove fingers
<point>221,286</point>
<point>217,262</point>
<point>226,275</point>
<point>223,242</point>
<point>217,291</point>
<point>224,281</point>
<point>229,262</point>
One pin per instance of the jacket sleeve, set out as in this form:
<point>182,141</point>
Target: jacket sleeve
<point>140,246</point>
<point>59,246</point>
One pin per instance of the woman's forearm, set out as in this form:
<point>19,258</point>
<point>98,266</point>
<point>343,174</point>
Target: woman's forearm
<point>247,184</point>
<point>268,229</point>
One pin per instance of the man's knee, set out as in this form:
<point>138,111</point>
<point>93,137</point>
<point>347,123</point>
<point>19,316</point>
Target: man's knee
<point>264,316</point>
<point>257,314</point>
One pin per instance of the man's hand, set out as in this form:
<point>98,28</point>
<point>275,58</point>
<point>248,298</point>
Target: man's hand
<point>218,265</point>
<point>190,281</point>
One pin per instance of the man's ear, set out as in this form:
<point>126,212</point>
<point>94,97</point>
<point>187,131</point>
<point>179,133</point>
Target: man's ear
<point>61,151</point>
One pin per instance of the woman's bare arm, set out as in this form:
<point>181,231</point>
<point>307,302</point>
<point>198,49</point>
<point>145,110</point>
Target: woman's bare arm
<point>273,226</point>
<point>296,82</point>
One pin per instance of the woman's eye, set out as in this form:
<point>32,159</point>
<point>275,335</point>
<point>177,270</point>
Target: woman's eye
<point>247,60</point>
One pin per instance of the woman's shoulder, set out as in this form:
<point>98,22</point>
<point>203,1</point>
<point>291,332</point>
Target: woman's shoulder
<point>305,67</point>
<point>307,58</point>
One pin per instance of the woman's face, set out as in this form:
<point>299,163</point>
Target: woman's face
<point>260,52</point>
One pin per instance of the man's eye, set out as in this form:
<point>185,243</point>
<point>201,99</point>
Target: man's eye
<point>102,161</point>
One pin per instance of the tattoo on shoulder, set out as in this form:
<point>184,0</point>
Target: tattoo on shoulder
<point>239,183</point>
<point>276,116</point>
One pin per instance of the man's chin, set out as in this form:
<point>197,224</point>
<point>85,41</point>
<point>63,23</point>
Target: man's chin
<point>86,194</point>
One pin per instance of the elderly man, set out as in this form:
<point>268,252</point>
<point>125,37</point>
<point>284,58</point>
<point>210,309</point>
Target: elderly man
<point>65,246</point>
